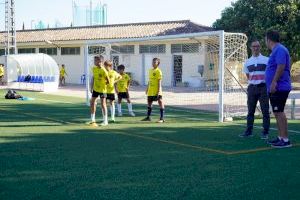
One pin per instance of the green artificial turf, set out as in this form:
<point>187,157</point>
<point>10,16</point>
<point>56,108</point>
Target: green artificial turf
<point>48,152</point>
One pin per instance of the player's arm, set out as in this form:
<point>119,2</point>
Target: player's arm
<point>128,84</point>
<point>247,76</point>
<point>118,78</point>
<point>278,74</point>
<point>91,84</point>
<point>246,71</point>
<point>116,88</point>
<point>107,78</point>
<point>281,61</point>
<point>159,87</point>
<point>147,88</point>
<point>159,82</point>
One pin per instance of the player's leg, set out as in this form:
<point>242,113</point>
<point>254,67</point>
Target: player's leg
<point>161,109</point>
<point>60,80</point>
<point>129,105</point>
<point>112,110</point>
<point>149,108</point>
<point>252,99</point>
<point>264,105</point>
<point>104,110</point>
<point>93,108</point>
<point>119,104</point>
<point>278,101</point>
<point>111,99</point>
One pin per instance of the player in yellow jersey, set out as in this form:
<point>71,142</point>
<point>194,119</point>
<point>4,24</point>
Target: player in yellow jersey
<point>98,87</point>
<point>62,75</point>
<point>154,90</point>
<point>113,78</point>
<point>1,74</point>
<point>122,89</point>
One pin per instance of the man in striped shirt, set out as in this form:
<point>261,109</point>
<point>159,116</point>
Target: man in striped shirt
<point>254,69</point>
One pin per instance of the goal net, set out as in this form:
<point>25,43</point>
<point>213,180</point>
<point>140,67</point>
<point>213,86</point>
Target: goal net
<point>201,71</point>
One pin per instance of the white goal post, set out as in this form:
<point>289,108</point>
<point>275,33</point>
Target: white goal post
<point>201,71</point>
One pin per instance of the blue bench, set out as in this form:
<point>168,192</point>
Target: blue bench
<point>36,79</point>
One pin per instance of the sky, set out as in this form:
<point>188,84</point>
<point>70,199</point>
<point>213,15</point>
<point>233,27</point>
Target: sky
<point>203,12</point>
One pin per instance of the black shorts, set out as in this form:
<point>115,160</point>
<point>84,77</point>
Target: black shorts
<point>154,98</point>
<point>96,94</point>
<point>278,100</point>
<point>111,97</point>
<point>123,95</point>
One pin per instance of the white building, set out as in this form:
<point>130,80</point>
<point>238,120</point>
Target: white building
<point>180,58</point>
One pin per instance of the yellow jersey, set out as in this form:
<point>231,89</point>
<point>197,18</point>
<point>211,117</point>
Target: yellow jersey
<point>123,83</point>
<point>155,75</point>
<point>100,76</point>
<point>62,72</point>
<point>113,76</point>
<point>1,70</point>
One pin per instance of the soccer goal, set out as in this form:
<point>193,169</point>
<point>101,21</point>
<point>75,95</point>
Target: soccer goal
<point>201,71</point>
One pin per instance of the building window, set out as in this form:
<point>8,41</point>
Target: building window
<point>26,50</point>
<point>158,48</point>
<point>49,51</point>
<point>70,51</point>
<point>124,49</point>
<point>2,52</point>
<point>96,50</point>
<point>184,48</point>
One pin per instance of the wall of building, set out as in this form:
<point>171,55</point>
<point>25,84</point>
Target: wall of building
<point>190,66</point>
<point>137,64</point>
<point>74,65</point>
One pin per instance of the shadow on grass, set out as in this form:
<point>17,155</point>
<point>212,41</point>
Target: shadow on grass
<point>79,162</point>
<point>85,163</point>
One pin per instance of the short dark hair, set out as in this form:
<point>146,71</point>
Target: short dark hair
<point>273,36</point>
<point>156,59</point>
<point>254,40</point>
<point>121,67</point>
<point>96,57</point>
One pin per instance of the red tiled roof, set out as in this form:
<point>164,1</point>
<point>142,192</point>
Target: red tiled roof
<point>117,31</point>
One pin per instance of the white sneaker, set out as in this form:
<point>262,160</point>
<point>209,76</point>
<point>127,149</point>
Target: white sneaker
<point>104,124</point>
<point>120,114</point>
<point>132,114</point>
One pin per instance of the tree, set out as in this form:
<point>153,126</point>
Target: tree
<point>255,17</point>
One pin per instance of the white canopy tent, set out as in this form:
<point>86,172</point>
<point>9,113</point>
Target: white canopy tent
<point>42,69</point>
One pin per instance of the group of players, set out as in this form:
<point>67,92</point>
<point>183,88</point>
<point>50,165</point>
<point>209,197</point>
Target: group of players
<point>106,82</point>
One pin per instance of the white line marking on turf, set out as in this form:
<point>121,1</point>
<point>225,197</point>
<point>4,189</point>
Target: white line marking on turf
<point>189,118</point>
<point>56,101</point>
